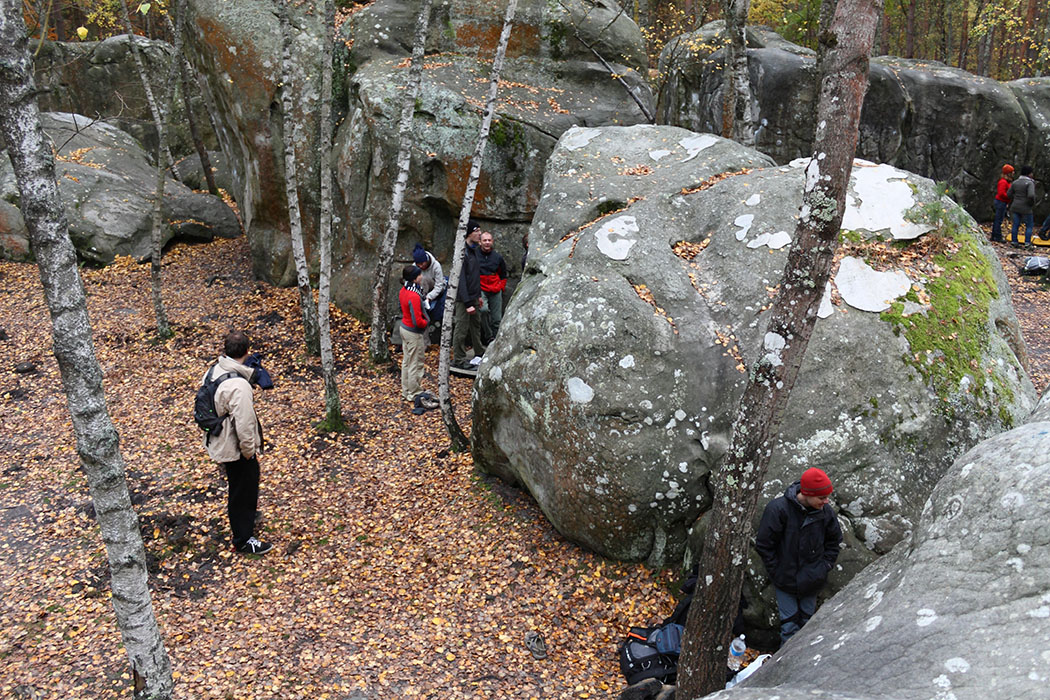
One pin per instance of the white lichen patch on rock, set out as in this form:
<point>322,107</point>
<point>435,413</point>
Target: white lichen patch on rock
<point>659,153</point>
<point>694,144</point>
<point>579,390</point>
<point>826,308</point>
<point>753,199</point>
<point>884,200</point>
<point>616,238</point>
<point>744,221</point>
<point>925,617</point>
<point>775,241</point>
<point>867,289</point>
<point>576,138</point>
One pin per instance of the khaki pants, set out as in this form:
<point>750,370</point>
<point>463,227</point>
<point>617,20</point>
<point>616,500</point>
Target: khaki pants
<point>413,346</point>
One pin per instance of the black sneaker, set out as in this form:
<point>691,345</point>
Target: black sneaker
<point>254,546</point>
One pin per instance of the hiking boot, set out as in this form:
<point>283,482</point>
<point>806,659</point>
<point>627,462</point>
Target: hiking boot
<point>254,546</point>
<point>535,644</point>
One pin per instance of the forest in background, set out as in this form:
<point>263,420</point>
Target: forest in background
<point>1001,39</point>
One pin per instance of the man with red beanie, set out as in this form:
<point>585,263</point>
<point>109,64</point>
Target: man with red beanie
<point>799,539</point>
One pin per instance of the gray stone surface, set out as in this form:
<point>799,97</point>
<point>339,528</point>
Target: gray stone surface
<point>611,389</point>
<point>550,83</point>
<point>99,78</point>
<point>107,183</point>
<point>922,116</point>
<point>959,610</point>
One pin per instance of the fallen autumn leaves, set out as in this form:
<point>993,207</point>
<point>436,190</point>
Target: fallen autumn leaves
<point>397,571</point>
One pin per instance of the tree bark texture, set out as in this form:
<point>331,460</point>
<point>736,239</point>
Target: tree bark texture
<point>291,183</point>
<point>448,414</point>
<point>333,410</point>
<point>377,340</point>
<point>737,484</point>
<point>97,440</point>
<point>163,132</point>
<point>736,115</point>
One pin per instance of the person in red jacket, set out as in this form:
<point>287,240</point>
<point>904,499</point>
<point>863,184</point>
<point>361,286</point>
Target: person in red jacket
<point>414,322</point>
<point>1001,201</point>
<point>493,282</point>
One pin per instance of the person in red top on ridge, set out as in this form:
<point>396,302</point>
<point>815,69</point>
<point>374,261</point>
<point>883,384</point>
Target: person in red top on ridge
<point>414,322</point>
<point>1001,202</point>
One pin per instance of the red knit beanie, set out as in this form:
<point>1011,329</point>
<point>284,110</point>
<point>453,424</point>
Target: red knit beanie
<point>815,483</point>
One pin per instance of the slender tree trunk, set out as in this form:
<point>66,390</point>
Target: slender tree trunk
<point>333,414</point>
<point>291,183</point>
<point>884,47</point>
<point>185,70</point>
<point>157,229</point>
<point>909,36</point>
<point>58,20</point>
<point>964,35</point>
<point>377,341</point>
<point>144,77</point>
<point>455,433</point>
<point>736,114</point>
<point>737,483</point>
<point>97,440</point>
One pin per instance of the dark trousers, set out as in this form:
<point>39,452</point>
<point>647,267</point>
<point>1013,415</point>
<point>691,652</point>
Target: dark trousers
<point>243,479</point>
<point>997,222</point>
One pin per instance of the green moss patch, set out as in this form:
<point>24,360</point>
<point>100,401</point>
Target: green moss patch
<point>948,340</point>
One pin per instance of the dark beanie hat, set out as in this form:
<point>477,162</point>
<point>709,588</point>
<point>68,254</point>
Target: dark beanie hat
<point>815,483</point>
<point>410,273</point>
<point>419,255</point>
<point>472,226</point>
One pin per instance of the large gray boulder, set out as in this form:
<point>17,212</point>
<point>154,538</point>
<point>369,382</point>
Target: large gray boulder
<point>959,610</point>
<point>107,184</point>
<point>550,83</point>
<point>100,79</point>
<point>922,116</point>
<point>611,389</point>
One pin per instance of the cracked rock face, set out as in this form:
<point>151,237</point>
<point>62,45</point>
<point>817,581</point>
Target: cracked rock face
<point>611,389</point>
<point>958,610</point>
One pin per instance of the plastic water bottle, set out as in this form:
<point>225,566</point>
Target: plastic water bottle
<point>736,653</point>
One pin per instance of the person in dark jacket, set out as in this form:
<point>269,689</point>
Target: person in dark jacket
<point>493,282</point>
<point>1022,204</point>
<point>467,320</point>
<point>799,539</point>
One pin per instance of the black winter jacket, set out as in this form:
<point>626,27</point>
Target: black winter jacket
<point>469,290</point>
<point>798,545</point>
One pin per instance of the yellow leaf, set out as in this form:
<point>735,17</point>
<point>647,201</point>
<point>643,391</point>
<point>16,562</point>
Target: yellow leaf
<point>82,32</point>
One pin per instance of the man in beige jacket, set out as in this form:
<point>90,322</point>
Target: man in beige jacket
<point>239,443</point>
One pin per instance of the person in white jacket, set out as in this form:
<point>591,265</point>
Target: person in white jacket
<point>238,445</point>
<point>433,283</point>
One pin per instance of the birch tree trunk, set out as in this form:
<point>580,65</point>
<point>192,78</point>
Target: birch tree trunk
<point>144,77</point>
<point>377,340</point>
<point>163,130</point>
<point>185,69</point>
<point>737,484</point>
<point>333,414</point>
<point>448,414</point>
<point>97,441</point>
<point>291,184</point>
<point>736,109</point>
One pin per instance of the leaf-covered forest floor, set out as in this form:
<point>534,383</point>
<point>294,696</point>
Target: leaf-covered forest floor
<point>397,571</point>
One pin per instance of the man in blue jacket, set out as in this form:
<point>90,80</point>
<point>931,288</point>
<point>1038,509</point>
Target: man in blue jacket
<point>799,539</point>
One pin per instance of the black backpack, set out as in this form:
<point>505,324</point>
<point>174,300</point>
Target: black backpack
<point>651,652</point>
<point>204,411</point>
